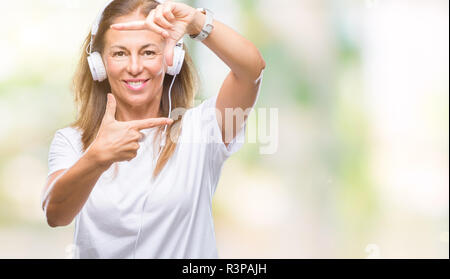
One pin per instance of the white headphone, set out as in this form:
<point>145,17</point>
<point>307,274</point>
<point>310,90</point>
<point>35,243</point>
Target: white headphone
<point>95,61</point>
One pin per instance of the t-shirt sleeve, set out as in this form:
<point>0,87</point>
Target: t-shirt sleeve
<point>218,150</point>
<point>62,154</point>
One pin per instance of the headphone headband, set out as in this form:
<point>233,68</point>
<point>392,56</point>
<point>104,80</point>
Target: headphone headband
<point>94,29</point>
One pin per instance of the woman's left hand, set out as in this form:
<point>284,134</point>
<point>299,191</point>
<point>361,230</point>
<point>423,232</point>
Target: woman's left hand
<point>171,19</point>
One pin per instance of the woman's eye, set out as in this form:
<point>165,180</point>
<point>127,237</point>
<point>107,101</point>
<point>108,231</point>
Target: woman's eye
<point>149,52</point>
<point>119,53</point>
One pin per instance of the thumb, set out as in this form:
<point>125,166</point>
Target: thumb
<point>168,53</point>
<point>110,112</point>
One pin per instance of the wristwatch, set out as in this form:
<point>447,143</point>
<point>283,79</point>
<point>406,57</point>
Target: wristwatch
<point>207,28</point>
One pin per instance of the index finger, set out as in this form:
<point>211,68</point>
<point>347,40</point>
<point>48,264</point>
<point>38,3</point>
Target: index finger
<point>140,25</point>
<point>150,122</point>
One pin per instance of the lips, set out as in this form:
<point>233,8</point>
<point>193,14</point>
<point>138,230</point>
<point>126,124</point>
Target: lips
<point>135,84</point>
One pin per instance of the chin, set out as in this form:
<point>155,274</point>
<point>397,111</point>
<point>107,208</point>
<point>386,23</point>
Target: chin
<point>136,99</point>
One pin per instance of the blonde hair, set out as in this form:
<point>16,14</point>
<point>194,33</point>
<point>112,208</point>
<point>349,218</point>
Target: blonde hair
<point>90,97</point>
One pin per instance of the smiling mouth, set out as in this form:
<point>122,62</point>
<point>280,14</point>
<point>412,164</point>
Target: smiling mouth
<point>136,84</point>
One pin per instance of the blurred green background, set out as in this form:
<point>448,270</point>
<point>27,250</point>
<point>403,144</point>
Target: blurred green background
<point>362,91</point>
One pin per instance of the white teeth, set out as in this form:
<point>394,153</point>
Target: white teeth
<point>135,84</point>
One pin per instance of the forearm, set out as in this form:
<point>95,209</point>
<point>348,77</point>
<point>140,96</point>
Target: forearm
<point>238,53</point>
<point>69,192</point>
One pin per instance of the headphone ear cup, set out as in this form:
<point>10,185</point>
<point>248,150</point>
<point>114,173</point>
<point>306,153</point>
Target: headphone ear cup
<point>97,67</point>
<point>178,59</point>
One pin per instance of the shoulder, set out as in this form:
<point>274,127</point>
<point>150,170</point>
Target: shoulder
<point>72,134</point>
<point>65,149</point>
<point>69,132</point>
<point>68,136</point>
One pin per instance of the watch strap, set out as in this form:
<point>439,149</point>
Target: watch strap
<point>207,27</point>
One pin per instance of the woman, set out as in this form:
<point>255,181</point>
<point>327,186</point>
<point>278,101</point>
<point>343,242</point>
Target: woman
<point>134,190</point>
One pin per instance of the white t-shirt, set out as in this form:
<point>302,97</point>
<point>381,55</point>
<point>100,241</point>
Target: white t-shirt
<point>177,220</point>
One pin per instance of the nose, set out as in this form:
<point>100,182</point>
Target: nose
<point>135,66</point>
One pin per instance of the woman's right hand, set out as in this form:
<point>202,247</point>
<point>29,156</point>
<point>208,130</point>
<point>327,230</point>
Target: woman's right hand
<point>119,140</point>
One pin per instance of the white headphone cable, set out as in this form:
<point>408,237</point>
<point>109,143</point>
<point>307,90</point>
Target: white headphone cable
<point>163,140</point>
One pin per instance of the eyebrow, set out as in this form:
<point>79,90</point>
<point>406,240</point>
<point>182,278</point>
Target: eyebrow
<point>142,47</point>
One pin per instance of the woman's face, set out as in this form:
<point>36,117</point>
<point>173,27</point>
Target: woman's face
<point>134,62</point>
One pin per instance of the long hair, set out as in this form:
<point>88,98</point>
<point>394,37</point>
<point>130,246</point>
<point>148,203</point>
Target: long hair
<point>90,97</point>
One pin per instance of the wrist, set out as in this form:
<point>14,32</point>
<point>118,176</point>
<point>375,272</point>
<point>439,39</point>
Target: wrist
<point>197,23</point>
<point>96,157</point>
